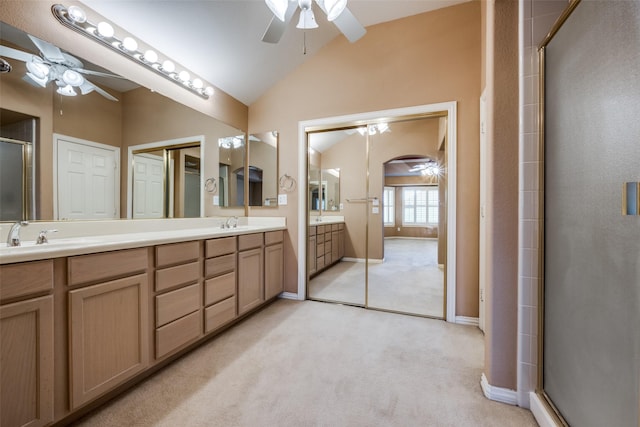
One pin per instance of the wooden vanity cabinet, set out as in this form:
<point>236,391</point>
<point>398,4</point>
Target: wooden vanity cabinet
<point>178,297</point>
<point>273,264</point>
<point>108,321</point>
<point>26,344</point>
<point>220,283</point>
<point>311,251</point>
<point>325,246</point>
<point>250,271</point>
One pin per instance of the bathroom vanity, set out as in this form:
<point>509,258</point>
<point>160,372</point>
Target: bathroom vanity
<point>325,244</point>
<point>86,316</point>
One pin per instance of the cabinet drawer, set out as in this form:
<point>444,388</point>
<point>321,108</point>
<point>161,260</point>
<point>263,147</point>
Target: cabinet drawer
<point>219,265</point>
<point>320,263</point>
<point>177,253</point>
<point>341,226</point>
<point>327,236</point>
<point>178,275</point>
<point>219,314</point>
<point>219,288</point>
<point>249,241</point>
<point>178,333</point>
<point>320,229</point>
<point>272,237</point>
<point>320,249</point>
<point>327,248</point>
<point>178,303</point>
<point>320,238</point>
<point>327,259</point>
<point>222,246</point>
<point>94,267</point>
<point>17,280</point>
<point>312,230</point>
<point>335,227</point>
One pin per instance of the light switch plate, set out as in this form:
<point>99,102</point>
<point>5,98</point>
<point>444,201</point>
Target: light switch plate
<point>282,199</point>
<point>375,210</point>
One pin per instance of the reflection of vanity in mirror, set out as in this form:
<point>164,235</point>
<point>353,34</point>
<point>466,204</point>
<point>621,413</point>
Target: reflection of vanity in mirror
<point>160,153</point>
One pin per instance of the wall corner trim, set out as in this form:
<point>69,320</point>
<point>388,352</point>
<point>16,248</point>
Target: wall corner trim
<point>289,295</point>
<point>464,320</point>
<point>540,411</point>
<point>498,394</point>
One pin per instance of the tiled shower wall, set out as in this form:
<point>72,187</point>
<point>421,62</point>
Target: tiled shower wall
<point>536,20</point>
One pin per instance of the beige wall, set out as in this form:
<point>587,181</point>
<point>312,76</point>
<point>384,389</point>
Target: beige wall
<point>428,58</point>
<point>501,294</point>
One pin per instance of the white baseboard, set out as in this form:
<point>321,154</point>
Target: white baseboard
<point>362,260</point>
<point>498,394</point>
<point>471,321</point>
<point>540,411</point>
<point>288,295</point>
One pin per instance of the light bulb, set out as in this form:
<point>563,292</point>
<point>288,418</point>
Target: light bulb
<point>37,68</point>
<point>130,44</point>
<point>72,78</point>
<point>150,56</point>
<point>197,83</point>
<point>77,14</point>
<point>184,76</point>
<point>168,66</point>
<point>105,30</point>
<point>208,91</point>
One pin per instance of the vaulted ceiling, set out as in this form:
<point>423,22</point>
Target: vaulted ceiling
<point>220,40</point>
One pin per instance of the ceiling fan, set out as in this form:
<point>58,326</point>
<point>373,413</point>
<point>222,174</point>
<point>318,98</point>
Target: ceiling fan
<point>336,11</point>
<point>428,168</point>
<point>56,66</point>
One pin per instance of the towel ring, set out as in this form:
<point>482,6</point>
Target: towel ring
<point>211,185</point>
<point>287,183</point>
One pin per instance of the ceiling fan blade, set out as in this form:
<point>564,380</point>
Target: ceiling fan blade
<point>350,26</point>
<point>49,52</point>
<point>276,27</point>
<point>97,73</point>
<point>8,52</point>
<point>87,87</point>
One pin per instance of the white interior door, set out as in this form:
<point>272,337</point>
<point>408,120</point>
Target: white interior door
<point>88,179</point>
<point>148,186</point>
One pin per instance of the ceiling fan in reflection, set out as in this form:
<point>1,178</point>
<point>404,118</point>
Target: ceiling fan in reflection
<point>56,66</point>
<point>429,168</point>
<point>336,11</point>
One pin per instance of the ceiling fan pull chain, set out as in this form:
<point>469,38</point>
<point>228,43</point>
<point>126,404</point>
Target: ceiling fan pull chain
<point>304,42</point>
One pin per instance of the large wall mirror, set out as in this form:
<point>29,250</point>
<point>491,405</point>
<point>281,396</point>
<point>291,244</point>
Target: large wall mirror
<point>324,182</point>
<point>262,184</point>
<point>120,123</point>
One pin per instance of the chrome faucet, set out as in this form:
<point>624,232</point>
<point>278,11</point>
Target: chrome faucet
<point>42,236</point>
<point>231,219</point>
<point>13,238</point>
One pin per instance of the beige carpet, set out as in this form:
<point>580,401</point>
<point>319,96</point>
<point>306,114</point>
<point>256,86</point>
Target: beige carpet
<point>317,364</point>
<point>409,280</point>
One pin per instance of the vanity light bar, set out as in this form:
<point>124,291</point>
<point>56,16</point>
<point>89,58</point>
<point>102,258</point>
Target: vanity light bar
<point>103,33</point>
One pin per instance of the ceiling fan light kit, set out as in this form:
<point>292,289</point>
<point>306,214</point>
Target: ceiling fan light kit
<point>336,11</point>
<point>75,18</point>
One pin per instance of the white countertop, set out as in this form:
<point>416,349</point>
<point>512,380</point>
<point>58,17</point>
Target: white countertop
<point>325,219</point>
<point>68,241</point>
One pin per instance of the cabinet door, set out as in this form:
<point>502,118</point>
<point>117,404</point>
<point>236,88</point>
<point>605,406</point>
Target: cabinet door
<point>311,255</point>
<point>26,363</point>
<point>250,279</point>
<point>273,270</point>
<point>109,327</point>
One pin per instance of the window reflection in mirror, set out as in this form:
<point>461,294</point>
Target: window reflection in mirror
<point>262,185</point>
